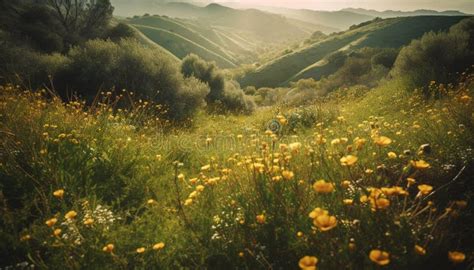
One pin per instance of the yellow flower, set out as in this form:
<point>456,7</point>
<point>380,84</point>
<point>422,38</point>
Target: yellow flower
<point>465,98</point>
<point>456,256</point>
<point>317,212</point>
<point>359,143</point>
<point>108,248</point>
<point>71,214</point>
<point>261,218</point>
<point>308,263</point>
<point>206,167</point>
<point>59,193</point>
<point>299,234</point>
<point>348,160</point>
<point>379,257</point>
<point>336,141</point>
<point>420,164</point>
<point>322,186</point>
<point>420,250</point>
<point>57,232</point>
<point>150,201</point>
<point>348,201</point>
<point>158,246</point>
<point>345,184</point>
<point>294,147</point>
<point>381,203</point>
<point>51,222</point>
<point>325,222</point>
<point>181,176</point>
<point>241,254</point>
<point>288,175</point>
<point>188,202</point>
<point>200,188</point>
<point>88,221</point>
<point>383,141</point>
<point>392,155</point>
<point>411,181</point>
<point>25,237</point>
<point>140,250</point>
<point>425,189</point>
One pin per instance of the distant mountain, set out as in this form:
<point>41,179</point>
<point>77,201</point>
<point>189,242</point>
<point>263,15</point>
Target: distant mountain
<point>336,19</point>
<point>217,33</point>
<point>395,13</point>
<point>312,61</point>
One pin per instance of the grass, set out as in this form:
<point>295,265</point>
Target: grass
<point>181,29</point>
<point>181,46</point>
<point>228,193</point>
<point>388,33</point>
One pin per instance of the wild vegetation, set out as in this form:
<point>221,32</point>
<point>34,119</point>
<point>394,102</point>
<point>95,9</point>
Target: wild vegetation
<point>116,154</point>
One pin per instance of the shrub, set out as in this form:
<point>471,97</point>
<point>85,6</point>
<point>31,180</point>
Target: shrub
<point>436,56</point>
<point>21,65</point>
<point>225,95</point>
<point>104,65</point>
<point>120,31</point>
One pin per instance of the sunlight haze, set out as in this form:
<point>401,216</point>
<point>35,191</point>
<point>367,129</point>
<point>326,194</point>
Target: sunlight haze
<point>462,5</point>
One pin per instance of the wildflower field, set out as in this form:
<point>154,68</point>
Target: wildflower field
<point>379,180</point>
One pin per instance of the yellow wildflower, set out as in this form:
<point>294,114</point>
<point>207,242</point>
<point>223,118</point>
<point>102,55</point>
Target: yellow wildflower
<point>109,248</point>
<point>379,257</point>
<point>456,256</point>
<point>158,246</point>
<point>51,222</point>
<point>322,186</point>
<point>71,214</point>
<point>425,189</point>
<point>348,160</point>
<point>308,263</point>
<point>59,193</point>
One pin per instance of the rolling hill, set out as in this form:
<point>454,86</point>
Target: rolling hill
<point>397,13</point>
<point>224,35</point>
<point>311,61</point>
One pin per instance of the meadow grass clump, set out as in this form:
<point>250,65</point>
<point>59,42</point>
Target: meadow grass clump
<point>361,182</point>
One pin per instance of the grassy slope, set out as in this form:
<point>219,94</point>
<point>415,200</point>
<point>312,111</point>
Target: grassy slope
<point>180,28</point>
<point>148,42</point>
<point>116,165</point>
<point>181,46</point>
<point>387,33</point>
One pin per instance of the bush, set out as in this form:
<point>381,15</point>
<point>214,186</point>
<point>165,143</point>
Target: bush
<point>436,56</point>
<point>104,65</point>
<point>21,65</point>
<point>120,31</point>
<point>225,95</point>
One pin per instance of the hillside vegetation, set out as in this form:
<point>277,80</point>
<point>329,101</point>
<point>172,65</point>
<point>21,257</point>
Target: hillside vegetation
<point>307,61</point>
<point>224,35</point>
<point>117,154</point>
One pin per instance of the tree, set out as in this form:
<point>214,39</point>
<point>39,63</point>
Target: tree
<point>82,18</point>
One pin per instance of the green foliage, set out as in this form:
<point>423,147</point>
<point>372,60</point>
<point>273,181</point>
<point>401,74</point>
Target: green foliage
<point>55,25</point>
<point>104,65</point>
<point>120,31</point>
<point>23,66</point>
<point>246,210</point>
<point>224,95</point>
<point>309,62</point>
<point>436,57</point>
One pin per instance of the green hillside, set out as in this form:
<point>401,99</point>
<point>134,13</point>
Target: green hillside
<point>308,62</point>
<point>181,46</point>
<point>230,38</point>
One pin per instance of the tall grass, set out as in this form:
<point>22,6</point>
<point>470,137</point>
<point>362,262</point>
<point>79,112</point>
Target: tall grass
<point>104,188</point>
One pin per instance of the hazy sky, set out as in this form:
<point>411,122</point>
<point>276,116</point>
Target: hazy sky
<point>463,5</point>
